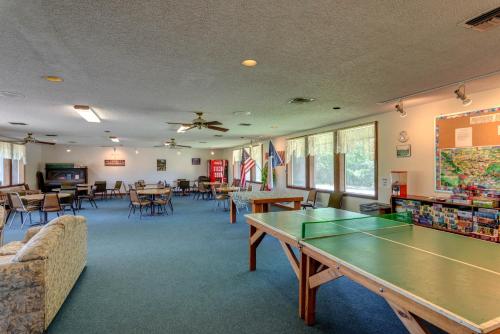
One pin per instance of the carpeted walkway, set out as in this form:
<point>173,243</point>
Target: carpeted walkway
<point>188,273</point>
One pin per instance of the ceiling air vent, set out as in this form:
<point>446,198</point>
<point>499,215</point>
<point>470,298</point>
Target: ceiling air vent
<point>244,124</point>
<point>485,21</point>
<point>299,100</point>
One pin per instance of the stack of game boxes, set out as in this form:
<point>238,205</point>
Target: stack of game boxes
<point>486,224</point>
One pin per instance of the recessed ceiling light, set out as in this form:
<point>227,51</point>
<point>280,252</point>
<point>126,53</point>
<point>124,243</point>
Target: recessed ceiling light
<point>87,113</point>
<point>114,139</point>
<point>5,93</point>
<point>217,135</point>
<point>336,108</point>
<point>212,153</point>
<point>53,78</point>
<point>299,100</point>
<point>244,124</point>
<point>249,63</point>
<point>242,113</point>
<point>68,150</point>
<point>18,123</point>
<point>136,151</point>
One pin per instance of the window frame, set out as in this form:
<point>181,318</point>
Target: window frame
<point>306,162</point>
<point>253,170</point>
<point>336,164</point>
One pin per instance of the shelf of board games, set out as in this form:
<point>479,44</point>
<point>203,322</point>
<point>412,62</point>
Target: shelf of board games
<point>465,219</point>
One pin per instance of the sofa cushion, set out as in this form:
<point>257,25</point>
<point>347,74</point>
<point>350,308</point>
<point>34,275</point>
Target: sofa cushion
<point>31,232</point>
<point>6,259</point>
<point>11,248</point>
<point>39,247</point>
<point>66,220</point>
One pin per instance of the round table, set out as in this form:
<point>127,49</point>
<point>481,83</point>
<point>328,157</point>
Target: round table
<point>39,197</point>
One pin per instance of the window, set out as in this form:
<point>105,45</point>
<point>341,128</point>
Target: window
<point>320,150</point>
<point>257,156</point>
<point>12,161</point>
<point>358,144</point>
<point>296,162</point>
<point>236,164</point>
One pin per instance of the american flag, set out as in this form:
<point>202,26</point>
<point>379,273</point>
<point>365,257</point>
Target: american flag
<point>246,165</point>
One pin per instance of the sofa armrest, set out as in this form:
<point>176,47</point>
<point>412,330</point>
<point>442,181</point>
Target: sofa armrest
<point>22,295</point>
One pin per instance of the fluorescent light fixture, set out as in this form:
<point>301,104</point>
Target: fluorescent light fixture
<point>249,62</point>
<point>68,150</point>
<point>114,139</point>
<point>87,113</point>
<point>182,129</point>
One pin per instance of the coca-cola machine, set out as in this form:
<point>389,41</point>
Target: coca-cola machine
<point>217,170</point>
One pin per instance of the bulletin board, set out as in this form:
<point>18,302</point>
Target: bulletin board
<point>468,149</point>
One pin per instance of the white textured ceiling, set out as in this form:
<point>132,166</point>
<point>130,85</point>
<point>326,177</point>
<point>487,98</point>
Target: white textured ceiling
<point>141,63</point>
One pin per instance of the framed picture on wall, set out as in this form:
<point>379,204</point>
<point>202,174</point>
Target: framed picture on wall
<point>161,165</point>
<point>195,161</point>
<point>403,151</point>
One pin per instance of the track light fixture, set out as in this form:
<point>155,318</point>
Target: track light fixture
<point>460,93</point>
<point>399,108</point>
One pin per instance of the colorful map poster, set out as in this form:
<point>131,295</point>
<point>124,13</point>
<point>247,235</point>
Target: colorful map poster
<point>471,165</point>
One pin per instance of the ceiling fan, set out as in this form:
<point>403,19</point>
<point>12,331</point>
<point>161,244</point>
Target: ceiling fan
<point>200,123</point>
<point>173,144</point>
<point>29,139</point>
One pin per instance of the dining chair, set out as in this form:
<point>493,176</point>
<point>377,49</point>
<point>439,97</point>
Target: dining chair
<point>335,200</point>
<point>50,203</point>
<point>136,202</point>
<point>116,190</point>
<point>161,203</point>
<point>18,206</point>
<point>311,200</point>
<point>69,201</point>
<point>218,198</point>
<point>239,203</point>
<point>100,189</point>
<point>202,190</point>
<point>89,195</point>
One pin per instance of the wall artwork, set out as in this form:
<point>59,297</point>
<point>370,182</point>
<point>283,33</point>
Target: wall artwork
<point>161,165</point>
<point>195,161</point>
<point>403,151</point>
<point>114,163</point>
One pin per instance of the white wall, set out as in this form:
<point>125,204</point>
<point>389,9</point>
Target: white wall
<point>137,166</point>
<point>420,127</point>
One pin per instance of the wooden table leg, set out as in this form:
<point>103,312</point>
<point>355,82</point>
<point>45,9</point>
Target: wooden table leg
<point>257,207</point>
<point>302,286</point>
<point>310,293</point>
<point>296,205</point>
<point>254,240</point>
<point>232,212</point>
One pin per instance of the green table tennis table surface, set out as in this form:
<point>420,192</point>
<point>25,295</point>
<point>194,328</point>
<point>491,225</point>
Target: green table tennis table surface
<point>455,275</point>
<point>290,222</point>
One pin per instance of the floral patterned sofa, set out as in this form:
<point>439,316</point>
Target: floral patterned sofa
<point>37,273</point>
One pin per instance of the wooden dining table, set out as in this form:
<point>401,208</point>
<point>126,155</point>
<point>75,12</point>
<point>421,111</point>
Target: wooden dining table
<point>39,197</point>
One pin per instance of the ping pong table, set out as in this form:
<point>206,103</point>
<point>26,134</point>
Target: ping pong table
<point>448,280</point>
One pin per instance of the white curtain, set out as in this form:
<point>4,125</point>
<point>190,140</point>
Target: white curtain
<point>320,144</point>
<point>5,150</point>
<point>236,156</point>
<point>363,135</point>
<point>295,148</point>
<point>19,153</point>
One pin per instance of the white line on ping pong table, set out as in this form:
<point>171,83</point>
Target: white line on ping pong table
<point>419,249</point>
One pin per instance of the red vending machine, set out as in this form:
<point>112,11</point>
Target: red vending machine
<point>217,170</point>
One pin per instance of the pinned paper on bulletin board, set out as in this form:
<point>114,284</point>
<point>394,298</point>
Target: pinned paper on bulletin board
<point>463,137</point>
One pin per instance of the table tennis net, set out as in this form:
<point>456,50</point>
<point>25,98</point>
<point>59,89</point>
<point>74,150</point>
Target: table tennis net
<point>329,228</point>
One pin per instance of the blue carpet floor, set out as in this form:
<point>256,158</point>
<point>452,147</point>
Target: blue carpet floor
<point>188,273</point>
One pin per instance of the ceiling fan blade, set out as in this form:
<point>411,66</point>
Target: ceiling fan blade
<point>43,142</point>
<point>213,123</point>
<point>190,127</point>
<point>185,146</point>
<point>183,124</point>
<point>217,128</point>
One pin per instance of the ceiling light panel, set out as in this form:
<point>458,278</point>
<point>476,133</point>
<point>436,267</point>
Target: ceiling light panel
<point>87,113</point>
